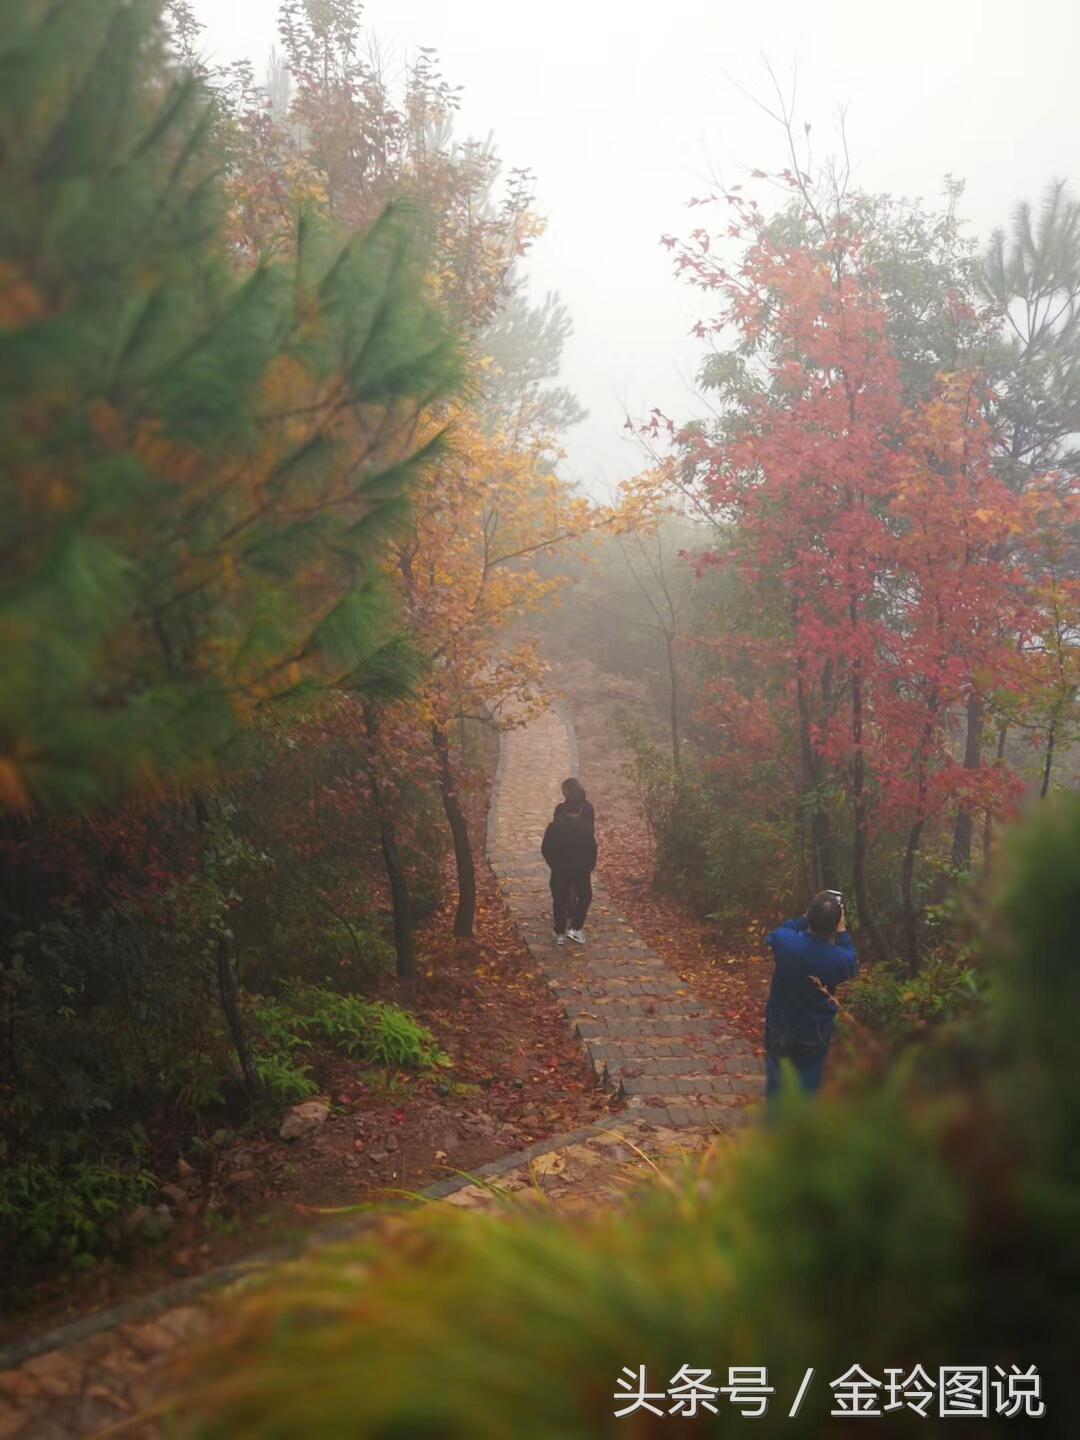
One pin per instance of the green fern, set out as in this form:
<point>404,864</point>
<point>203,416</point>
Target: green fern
<point>284,1079</point>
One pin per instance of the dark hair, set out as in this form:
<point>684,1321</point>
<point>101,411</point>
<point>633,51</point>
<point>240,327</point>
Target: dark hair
<point>823,915</point>
<point>574,792</point>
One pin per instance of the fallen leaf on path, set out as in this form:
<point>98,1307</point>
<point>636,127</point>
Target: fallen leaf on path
<point>551,1164</point>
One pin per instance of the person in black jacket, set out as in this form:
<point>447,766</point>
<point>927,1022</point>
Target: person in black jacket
<point>569,847</point>
<point>575,801</point>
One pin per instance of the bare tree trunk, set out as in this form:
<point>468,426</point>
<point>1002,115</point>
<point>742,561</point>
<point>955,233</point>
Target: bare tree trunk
<point>346,925</point>
<point>400,898</point>
<point>1048,766</point>
<point>907,879</point>
<point>860,843</point>
<point>988,823</point>
<point>809,879</point>
<point>830,874</point>
<point>965,819</point>
<point>821,843</point>
<point>465,918</point>
<point>228,991</point>
<point>673,676</point>
<point>907,873</point>
<point>858,797</point>
<point>230,1003</point>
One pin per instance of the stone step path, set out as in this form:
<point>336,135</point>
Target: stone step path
<point>646,1035</point>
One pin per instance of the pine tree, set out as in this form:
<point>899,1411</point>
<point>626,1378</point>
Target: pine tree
<point>198,470</point>
<point>525,343</point>
<point>1031,273</point>
<point>1031,277</point>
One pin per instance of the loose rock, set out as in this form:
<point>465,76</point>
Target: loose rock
<point>307,1118</point>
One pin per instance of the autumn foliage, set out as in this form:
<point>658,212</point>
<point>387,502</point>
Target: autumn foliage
<point>866,510</point>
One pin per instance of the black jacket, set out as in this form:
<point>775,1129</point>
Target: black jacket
<point>569,845</point>
<point>587,813</point>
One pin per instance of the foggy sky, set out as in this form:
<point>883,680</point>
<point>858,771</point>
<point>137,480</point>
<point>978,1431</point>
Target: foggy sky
<point>624,111</point>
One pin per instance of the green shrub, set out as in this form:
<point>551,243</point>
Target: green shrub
<point>200,1077</point>
<point>368,1030</point>
<point>283,1078</point>
<point>427,883</point>
<point>52,1211</point>
<point>377,955</point>
<point>398,1038</point>
<point>344,1021</point>
<point>280,1024</point>
<point>888,1000</point>
<point>306,945</point>
<point>749,865</point>
<point>718,846</point>
<point>198,1082</point>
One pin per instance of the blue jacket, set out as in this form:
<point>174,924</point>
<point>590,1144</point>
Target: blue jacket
<point>797,1009</point>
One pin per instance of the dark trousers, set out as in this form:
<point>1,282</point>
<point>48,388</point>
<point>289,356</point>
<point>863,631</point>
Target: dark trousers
<point>807,1058</point>
<point>571,896</point>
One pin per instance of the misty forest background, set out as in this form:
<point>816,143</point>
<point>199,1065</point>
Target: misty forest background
<point>287,543</point>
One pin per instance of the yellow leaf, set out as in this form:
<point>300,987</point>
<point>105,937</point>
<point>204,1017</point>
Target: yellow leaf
<point>550,1164</point>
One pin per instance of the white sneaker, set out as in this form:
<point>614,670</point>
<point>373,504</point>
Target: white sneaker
<point>578,935</point>
<point>560,939</point>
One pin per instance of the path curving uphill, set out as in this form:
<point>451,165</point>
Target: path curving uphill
<point>645,1034</point>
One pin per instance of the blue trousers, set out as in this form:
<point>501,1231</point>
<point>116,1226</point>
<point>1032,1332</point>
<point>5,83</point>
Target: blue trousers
<point>808,1058</point>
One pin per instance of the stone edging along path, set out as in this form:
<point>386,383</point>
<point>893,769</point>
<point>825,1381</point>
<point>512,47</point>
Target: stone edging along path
<point>645,1034</point>
<point>683,1078</point>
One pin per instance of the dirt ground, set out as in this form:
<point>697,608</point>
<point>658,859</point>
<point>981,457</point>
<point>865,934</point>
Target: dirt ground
<point>729,968</point>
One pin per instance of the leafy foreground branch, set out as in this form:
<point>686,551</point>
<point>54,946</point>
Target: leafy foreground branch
<point>931,1220</point>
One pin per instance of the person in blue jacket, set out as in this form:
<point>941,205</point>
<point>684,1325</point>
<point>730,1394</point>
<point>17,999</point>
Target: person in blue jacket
<point>813,955</point>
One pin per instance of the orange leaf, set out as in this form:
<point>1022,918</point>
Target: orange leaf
<point>13,796</point>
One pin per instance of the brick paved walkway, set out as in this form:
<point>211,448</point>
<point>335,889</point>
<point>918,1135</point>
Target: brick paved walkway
<point>644,1032</point>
